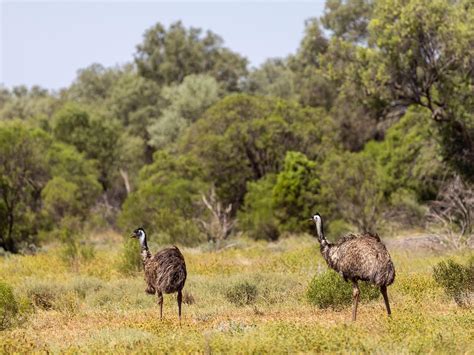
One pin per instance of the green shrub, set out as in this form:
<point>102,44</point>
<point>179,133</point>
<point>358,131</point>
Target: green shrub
<point>256,217</point>
<point>457,280</point>
<point>330,290</point>
<point>295,193</point>
<point>130,260</point>
<point>8,306</point>
<point>242,293</point>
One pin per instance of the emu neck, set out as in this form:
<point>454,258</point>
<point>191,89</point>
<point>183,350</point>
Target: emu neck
<point>145,252</point>
<point>326,248</point>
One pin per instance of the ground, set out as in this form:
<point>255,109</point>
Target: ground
<point>93,307</point>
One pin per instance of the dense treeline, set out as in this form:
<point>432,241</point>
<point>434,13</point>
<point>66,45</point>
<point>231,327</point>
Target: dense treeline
<point>371,122</point>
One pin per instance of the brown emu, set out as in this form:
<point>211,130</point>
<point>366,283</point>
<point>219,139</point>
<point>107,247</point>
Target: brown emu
<point>165,272</point>
<point>358,257</point>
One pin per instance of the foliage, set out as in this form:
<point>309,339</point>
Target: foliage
<point>35,104</point>
<point>130,260</point>
<point>257,214</point>
<point>409,156</point>
<point>96,137</point>
<point>93,84</point>
<point>41,181</point>
<point>169,55</point>
<point>242,293</point>
<point>295,193</point>
<point>186,102</point>
<point>273,78</point>
<point>330,290</point>
<point>348,19</point>
<point>8,306</point>
<point>351,187</point>
<point>457,280</point>
<point>312,85</point>
<point>424,57</point>
<point>166,201</point>
<point>23,174</point>
<point>242,138</point>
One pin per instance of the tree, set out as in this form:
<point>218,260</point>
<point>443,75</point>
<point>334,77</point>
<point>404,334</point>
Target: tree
<point>243,138</point>
<point>136,102</point>
<point>167,200</point>
<point>348,19</point>
<point>35,104</point>
<point>73,188</point>
<point>23,174</point>
<point>295,194</point>
<point>38,174</point>
<point>168,56</point>
<point>93,84</point>
<point>351,189</point>
<point>97,138</point>
<point>256,217</point>
<point>186,103</point>
<point>272,78</point>
<point>313,87</point>
<point>424,56</point>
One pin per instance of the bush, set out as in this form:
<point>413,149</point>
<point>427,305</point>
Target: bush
<point>242,293</point>
<point>42,294</point>
<point>295,192</point>
<point>131,260</point>
<point>330,290</point>
<point>256,217</point>
<point>457,280</point>
<point>8,306</point>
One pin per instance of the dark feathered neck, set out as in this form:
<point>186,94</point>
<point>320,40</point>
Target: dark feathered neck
<point>145,252</point>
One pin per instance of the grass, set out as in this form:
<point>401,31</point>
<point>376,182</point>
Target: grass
<point>94,307</point>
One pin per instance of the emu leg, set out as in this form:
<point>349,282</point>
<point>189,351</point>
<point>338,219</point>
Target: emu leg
<point>180,300</point>
<point>355,296</point>
<point>160,302</point>
<point>383,290</point>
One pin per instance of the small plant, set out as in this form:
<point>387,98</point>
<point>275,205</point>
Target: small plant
<point>130,260</point>
<point>43,294</point>
<point>242,293</point>
<point>8,306</point>
<point>330,290</point>
<point>457,280</point>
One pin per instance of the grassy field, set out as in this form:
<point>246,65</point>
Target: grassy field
<point>92,307</point>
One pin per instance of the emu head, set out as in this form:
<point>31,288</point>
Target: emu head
<point>139,233</point>
<point>319,226</point>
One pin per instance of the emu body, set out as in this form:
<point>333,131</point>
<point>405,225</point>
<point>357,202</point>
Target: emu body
<point>358,257</point>
<point>165,272</point>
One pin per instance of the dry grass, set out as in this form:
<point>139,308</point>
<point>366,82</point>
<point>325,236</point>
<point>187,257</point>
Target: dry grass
<point>96,309</point>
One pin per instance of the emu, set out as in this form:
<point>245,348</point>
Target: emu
<point>358,257</point>
<point>165,272</point>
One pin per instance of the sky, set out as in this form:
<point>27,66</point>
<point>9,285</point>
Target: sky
<point>45,43</point>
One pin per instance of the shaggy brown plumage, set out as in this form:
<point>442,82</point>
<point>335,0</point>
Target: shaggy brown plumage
<point>165,272</point>
<point>358,257</point>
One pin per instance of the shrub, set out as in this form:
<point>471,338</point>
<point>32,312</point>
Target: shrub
<point>242,293</point>
<point>130,260</point>
<point>44,294</point>
<point>330,290</point>
<point>256,217</point>
<point>8,306</point>
<point>457,280</point>
<point>295,192</point>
